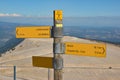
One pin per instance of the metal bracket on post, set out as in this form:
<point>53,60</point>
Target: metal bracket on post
<point>58,48</point>
<point>58,63</point>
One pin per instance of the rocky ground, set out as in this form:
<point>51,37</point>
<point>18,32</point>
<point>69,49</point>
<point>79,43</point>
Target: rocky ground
<point>75,67</point>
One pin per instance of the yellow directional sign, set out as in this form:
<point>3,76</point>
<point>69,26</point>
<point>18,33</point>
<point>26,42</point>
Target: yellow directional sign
<point>46,62</point>
<point>33,32</point>
<point>58,18</point>
<point>96,50</point>
<point>58,15</point>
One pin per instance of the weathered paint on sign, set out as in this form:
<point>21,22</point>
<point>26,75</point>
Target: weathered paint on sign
<point>46,62</point>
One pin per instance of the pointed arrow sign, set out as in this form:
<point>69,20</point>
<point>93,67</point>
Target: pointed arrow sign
<point>33,32</point>
<point>81,49</point>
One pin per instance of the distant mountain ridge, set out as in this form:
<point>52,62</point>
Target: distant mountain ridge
<point>9,25</point>
<point>7,35</point>
<point>103,33</point>
<point>106,34</point>
<point>10,44</point>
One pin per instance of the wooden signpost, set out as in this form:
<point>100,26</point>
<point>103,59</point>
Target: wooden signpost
<point>59,48</point>
<point>57,45</point>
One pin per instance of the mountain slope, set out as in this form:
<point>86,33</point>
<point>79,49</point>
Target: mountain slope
<point>7,36</point>
<point>75,67</point>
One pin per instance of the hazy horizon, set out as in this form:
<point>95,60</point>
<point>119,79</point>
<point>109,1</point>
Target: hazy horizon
<point>67,21</point>
<point>75,13</point>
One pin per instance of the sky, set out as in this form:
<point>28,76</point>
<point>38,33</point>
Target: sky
<point>15,9</point>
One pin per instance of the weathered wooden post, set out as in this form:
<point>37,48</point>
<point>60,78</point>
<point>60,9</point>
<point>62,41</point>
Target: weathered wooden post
<point>58,45</point>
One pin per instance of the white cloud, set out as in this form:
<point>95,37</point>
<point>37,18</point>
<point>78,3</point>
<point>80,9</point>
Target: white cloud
<point>11,15</point>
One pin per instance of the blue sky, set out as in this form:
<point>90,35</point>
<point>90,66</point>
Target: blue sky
<point>71,8</point>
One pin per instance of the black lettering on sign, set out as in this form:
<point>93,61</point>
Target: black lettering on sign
<point>43,34</point>
<point>21,34</point>
<point>69,45</point>
<point>42,29</point>
<point>96,52</point>
<point>59,16</point>
<point>72,50</point>
<point>82,51</point>
<point>97,47</point>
